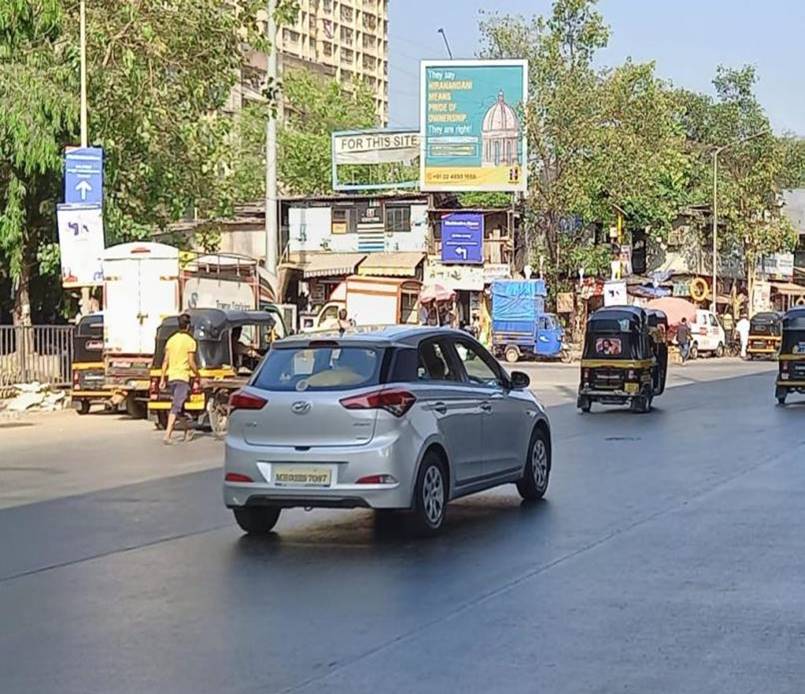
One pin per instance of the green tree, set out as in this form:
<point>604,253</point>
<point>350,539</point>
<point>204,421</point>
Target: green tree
<point>793,173</point>
<point>599,140</point>
<point>315,107</point>
<point>159,71</point>
<point>751,167</point>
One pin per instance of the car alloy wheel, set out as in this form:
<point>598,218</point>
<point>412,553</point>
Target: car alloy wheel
<point>539,464</point>
<point>433,495</point>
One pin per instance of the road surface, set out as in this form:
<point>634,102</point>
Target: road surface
<point>667,557</point>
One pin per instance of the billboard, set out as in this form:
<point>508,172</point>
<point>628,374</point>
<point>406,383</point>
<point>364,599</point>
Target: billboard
<point>472,132</point>
<point>81,244</point>
<point>463,238</point>
<point>397,149</point>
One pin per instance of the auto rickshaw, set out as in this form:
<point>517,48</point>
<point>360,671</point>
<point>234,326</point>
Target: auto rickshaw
<point>625,358</point>
<point>764,335</point>
<point>230,344</point>
<point>791,357</point>
<point>87,367</point>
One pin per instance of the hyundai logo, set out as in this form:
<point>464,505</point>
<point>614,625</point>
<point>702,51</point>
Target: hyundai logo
<point>300,407</point>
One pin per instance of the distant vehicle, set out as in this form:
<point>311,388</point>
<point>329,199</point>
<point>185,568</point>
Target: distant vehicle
<point>369,301</point>
<point>520,326</point>
<point>707,335</point>
<point>399,418</point>
<point>791,359</point>
<point>625,358</point>
<point>87,366</point>
<point>229,344</point>
<point>764,335</point>
<point>146,282</point>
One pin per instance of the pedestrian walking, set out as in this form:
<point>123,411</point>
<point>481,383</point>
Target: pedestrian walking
<point>178,368</point>
<point>344,323</point>
<point>683,339</point>
<point>743,332</point>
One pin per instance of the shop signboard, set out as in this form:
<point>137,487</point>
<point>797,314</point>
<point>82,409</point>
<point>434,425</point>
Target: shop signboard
<point>456,277</point>
<point>615,293</point>
<point>496,271</point>
<point>472,134</point>
<point>463,238</point>
<point>371,150</point>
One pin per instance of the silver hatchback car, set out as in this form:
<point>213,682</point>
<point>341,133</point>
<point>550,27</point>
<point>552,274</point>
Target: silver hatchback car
<point>400,418</point>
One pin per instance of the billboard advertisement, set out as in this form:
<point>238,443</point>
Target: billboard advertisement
<point>472,134</point>
<point>397,149</point>
<point>81,244</point>
<point>463,238</point>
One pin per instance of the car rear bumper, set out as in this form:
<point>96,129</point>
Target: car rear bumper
<point>347,464</point>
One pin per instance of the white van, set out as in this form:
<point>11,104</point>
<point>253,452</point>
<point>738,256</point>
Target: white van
<point>707,335</point>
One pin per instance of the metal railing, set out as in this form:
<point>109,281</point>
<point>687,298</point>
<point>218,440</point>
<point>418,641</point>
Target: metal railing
<point>42,353</point>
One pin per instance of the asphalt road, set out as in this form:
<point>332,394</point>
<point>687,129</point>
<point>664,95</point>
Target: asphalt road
<point>667,557</point>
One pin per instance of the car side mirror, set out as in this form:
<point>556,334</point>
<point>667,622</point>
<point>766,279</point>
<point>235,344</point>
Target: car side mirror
<point>519,380</point>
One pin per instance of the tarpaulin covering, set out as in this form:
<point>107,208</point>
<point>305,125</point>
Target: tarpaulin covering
<point>517,300</point>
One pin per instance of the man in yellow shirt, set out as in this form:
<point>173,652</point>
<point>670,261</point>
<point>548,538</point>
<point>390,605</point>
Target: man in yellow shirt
<point>178,367</point>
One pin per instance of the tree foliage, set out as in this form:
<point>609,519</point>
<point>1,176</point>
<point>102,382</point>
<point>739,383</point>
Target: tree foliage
<point>159,73</point>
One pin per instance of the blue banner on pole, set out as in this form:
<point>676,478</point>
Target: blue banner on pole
<point>83,176</point>
<point>463,238</point>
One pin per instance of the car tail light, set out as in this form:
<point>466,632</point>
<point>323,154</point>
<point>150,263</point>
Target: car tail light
<point>195,386</point>
<point>76,380</point>
<point>153,388</point>
<point>237,477</point>
<point>241,400</point>
<point>585,374</point>
<point>631,374</point>
<point>377,479</point>
<point>395,401</point>
<point>783,366</point>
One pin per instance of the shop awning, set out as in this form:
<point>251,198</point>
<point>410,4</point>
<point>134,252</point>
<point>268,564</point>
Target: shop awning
<point>324,264</point>
<point>788,288</point>
<point>398,264</point>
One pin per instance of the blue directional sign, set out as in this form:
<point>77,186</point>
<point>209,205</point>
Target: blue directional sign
<point>83,175</point>
<point>463,238</point>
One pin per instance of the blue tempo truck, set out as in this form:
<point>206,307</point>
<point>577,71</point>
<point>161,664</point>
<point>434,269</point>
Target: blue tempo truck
<point>520,326</point>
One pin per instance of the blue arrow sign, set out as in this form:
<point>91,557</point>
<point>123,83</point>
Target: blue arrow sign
<point>83,175</point>
<point>463,238</point>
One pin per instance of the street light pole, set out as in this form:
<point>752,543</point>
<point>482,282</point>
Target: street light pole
<point>271,221</point>
<point>716,152</point>
<point>83,58</point>
<point>446,43</point>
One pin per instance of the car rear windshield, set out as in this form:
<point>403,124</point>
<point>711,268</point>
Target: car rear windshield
<point>319,368</point>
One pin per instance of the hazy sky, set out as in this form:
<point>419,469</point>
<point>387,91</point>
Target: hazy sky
<point>686,38</point>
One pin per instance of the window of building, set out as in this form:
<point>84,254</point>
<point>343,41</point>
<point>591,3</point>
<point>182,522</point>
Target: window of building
<point>327,48</point>
<point>369,42</point>
<point>398,218</point>
<point>347,56</point>
<point>346,13</point>
<point>290,37</point>
<point>369,22</point>
<point>369,63</point>
<point>327,5</point>
<point>346,36</point>
<point>343,221</point>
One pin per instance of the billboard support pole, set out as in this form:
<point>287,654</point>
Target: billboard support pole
<point>271,221</point>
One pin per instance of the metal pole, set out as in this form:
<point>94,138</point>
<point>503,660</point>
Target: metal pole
<point>446,43</point>
<point>714,301</point>
<point>271,222</point>
<point>83,52</point>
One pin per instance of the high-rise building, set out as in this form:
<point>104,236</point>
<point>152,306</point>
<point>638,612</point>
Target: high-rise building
<point>347,39</point>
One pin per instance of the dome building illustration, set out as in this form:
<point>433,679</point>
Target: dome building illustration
<point>500,135</point>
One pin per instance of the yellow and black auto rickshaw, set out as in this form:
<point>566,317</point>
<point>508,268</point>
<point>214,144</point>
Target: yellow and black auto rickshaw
<point>230,344</point>
<point>87,367</point>
<point>625,358</point>
<point>764,335</point>
<point>791,357</point>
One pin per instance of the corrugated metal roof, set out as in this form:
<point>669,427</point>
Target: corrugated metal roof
<point>395,264</point>
<point>324,264</point>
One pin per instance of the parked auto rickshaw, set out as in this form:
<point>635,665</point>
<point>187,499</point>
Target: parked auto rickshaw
<point>230,344</point>
<point>764,335</point>
<point>625,358</point>
<point>791,357</point>
<point>87,367</point>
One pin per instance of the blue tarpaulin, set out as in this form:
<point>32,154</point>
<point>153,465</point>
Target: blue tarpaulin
<point>518,300</point>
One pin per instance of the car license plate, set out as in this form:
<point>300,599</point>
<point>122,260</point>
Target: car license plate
<point>301,476</point>
<point>632,388</point>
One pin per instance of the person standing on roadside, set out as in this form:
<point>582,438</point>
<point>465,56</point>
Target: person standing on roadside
<point>742,328</point>
<point>178,368</point>
<point>683,339</point>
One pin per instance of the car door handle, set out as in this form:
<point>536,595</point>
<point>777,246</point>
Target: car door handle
<point>440,407</point>
<point>486,407</point>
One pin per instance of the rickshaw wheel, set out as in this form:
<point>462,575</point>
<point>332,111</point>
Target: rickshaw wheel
<point>83,407</point>
<point>585,405</point>
<point>161,420</point>
<point>780,394</point>
<point>218,413</point>
<point>512,354</point>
